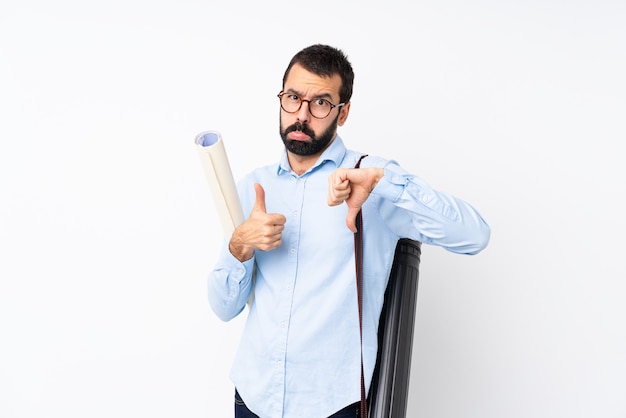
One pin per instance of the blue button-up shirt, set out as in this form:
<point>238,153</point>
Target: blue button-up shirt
<point>299,354</point>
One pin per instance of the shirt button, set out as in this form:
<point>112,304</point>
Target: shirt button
<point>292,251</point>
<point>295,213</point>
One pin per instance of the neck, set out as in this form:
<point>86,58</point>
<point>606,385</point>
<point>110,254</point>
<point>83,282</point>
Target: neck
<point>301,163</point>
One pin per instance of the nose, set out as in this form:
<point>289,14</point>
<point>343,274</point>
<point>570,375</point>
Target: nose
<point>303,113</point>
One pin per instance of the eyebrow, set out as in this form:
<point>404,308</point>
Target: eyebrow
<point>326,96</point>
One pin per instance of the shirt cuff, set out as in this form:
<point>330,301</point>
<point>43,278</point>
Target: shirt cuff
<point>392,183</point>
<point>238,270</point>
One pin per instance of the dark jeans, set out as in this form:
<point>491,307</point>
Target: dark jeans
<point>242,411</point>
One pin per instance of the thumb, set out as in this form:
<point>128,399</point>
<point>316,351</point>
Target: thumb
<point>351,218</point>
<point>259,203</point>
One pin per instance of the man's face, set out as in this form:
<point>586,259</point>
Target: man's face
<point>302,133</point>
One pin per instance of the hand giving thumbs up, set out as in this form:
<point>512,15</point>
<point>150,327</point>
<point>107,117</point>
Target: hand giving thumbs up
<point>261,231</point>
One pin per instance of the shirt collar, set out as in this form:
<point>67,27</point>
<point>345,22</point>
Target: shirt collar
<point>335,152</point>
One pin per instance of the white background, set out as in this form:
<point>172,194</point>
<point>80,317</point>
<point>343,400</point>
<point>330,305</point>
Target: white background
<point>108,230</point>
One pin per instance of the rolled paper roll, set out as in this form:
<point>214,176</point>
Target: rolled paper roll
<point>220,177</point>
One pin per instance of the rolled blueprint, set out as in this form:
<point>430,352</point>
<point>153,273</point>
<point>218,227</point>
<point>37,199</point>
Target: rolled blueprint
<point>221,182</point>
<point>220,177</point>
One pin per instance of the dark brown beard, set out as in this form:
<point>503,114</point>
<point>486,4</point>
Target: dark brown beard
<point>315,146</point>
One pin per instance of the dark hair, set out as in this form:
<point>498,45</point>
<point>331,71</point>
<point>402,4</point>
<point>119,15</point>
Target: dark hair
<point>325,61</point>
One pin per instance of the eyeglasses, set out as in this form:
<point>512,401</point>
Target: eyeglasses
<point>318,108</point>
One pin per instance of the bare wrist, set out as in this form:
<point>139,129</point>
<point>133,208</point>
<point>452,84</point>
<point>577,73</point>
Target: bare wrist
<point>380,173</point>
<point>240,251</point>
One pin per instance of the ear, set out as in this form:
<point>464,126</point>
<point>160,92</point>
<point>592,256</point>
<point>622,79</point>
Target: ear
<point>343,114</point>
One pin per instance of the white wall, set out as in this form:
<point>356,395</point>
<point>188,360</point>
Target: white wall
<point>108,231</point>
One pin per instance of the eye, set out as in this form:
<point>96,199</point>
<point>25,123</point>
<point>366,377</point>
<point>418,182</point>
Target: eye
<point>292,97</point>
<point>322,102</point>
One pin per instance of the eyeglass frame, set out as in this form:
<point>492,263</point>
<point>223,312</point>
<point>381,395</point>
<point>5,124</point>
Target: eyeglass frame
<point>332,106</point>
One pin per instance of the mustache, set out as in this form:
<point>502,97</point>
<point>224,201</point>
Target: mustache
<point>299,126</point>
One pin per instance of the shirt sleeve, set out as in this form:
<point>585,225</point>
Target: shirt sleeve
<point>437,218</point>
<point>230,285</point>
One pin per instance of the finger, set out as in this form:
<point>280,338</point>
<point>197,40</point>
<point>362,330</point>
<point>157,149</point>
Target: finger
<point>337,179</point>
<point>278,220</point>
<point>259,203</point>
<point>331,190</point>
<point>337,193</point>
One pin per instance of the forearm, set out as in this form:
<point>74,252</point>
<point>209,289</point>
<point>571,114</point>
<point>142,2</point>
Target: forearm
<point>438,218</point>
<point>451,223</point>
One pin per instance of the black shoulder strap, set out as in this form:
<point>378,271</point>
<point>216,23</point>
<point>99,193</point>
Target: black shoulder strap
<point>358,258</point>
